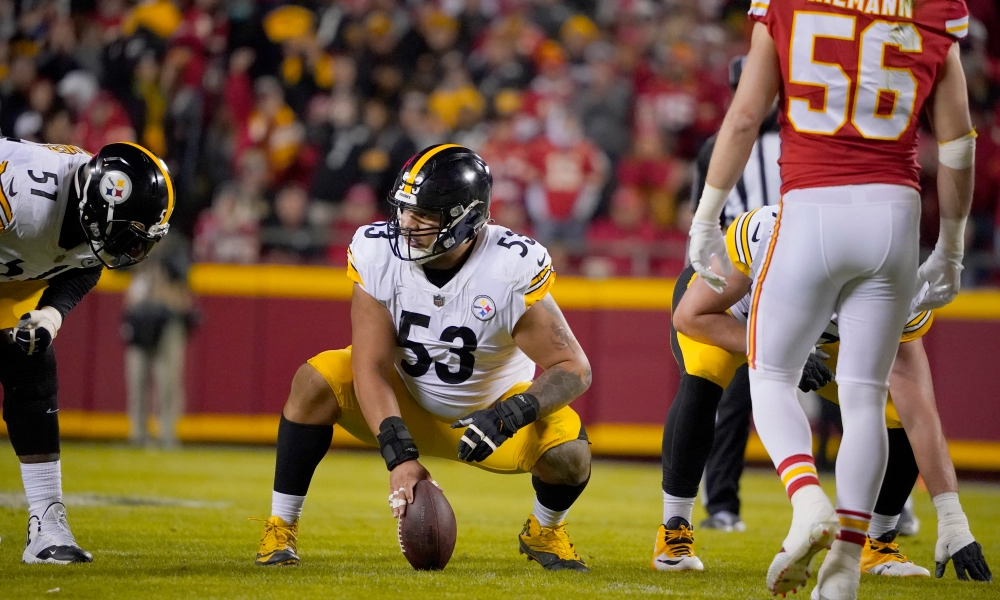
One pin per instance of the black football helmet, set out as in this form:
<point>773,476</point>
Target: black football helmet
<point>126,198</point>
<point>446,181</point>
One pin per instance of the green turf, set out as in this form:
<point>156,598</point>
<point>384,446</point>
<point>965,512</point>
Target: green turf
<point>348,544</point>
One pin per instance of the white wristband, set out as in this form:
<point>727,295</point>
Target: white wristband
<point>710,205</point>
<point>958,154</point>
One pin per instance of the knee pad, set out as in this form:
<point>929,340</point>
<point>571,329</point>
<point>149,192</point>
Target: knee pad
<point>30,406</point>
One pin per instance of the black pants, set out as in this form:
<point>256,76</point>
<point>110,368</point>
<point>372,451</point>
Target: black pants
<point>30,406</point>
<point>732,430</point>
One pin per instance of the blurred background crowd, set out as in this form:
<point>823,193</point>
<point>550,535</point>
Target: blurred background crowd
<point>284,124</point>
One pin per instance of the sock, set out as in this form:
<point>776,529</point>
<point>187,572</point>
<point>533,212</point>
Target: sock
<point>881,525</point>
<point>797,471</point>
<point>864,451</point>
<point>300,448</point>
<point>688,435</point>
<point>901,473</point>
<point>552,500</point>
<point>677,507</point>
<point>853,526</point>
<point>286,506</point>
<point>783,427</point>
<point>42,485</point>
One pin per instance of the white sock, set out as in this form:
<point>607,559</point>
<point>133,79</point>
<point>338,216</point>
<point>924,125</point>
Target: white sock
<point>674,506</point>
<point>881,525</point>
<point>42,485</point>
<point>286,506</point>
<point>548,517</point>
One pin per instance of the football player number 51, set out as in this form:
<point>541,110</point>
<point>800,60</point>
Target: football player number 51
<point>883,96</point>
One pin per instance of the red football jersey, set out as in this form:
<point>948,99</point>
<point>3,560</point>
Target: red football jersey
<point>855,76</point>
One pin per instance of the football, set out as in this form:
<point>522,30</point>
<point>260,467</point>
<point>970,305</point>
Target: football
<point>428,530</point>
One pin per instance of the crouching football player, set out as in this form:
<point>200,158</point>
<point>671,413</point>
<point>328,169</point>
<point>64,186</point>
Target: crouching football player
<point>710,343</point>
<point>63,214</point>
<point>449,318</point>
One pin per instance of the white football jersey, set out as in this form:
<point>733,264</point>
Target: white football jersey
<point>455,346</point>
<point>747,239</point>
<point>34,189</point>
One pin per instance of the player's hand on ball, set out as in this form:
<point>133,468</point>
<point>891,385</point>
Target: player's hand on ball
<point>401,482</point>
<point>938,281</point>
<point>36,329</point>
<point>486,429</point>
<point>707,240</point>
<point>815,374</point>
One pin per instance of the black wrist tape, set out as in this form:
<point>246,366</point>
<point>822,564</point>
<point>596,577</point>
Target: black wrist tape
<point>518,411</point>
<point>395,443</point>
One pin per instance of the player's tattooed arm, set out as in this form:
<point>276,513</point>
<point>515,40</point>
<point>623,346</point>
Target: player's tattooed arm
<point>544,336</point>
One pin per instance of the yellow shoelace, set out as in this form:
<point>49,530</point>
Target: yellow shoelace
<point>275,538</point>
<point>680,540</point>
<point>557,536</point>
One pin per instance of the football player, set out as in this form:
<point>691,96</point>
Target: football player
<point>853,78</point>
<point>449,317</point>
<point>63,215</point>
<point>709,341</point>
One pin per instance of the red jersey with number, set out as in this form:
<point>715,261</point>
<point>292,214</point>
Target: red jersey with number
<point>855,75</point>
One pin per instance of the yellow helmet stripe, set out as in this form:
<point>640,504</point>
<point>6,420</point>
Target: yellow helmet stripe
<point>412,173</point>
<point>166,177</point>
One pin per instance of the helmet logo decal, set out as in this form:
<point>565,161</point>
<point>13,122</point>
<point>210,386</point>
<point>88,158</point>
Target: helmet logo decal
<point>483,308</point>
<point>116,187</point>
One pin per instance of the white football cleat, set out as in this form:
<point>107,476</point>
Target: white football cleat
<point>882,556</point>
<point>814,527</point>
<point>840,575</point>
<point>50,541</point>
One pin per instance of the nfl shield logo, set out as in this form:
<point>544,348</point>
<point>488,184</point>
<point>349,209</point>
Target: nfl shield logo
<point>483,308</point>
<point>438,300</point>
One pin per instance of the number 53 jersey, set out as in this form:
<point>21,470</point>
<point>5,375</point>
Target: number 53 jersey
<point>455,347</point>
<point>855,75</point>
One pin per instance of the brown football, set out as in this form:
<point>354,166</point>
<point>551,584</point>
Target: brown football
<point>428,530</point>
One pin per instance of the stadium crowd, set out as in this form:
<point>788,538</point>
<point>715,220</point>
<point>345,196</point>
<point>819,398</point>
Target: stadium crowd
<point>284,124</point>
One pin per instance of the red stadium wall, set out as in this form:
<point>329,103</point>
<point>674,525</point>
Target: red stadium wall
<point>261,323</point>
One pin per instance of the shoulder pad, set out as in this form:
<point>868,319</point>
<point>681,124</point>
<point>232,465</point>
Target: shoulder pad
<point>527,263</point>
<point>367,254</point>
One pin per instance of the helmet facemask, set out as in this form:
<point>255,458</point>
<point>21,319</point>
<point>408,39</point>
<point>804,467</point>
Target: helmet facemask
<point>457,225</point>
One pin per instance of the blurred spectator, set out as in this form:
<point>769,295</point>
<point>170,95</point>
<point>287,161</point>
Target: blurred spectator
<point>567,173</point>
<point>288,237</point>
<point>228,232</point>
<point>360,207</point>
<point>159,311</point>
<point>620,244</point>
<point>605,102</point>
<point>273,127</point>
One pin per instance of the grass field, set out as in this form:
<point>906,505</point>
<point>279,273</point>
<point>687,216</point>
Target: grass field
<point>174,525</point>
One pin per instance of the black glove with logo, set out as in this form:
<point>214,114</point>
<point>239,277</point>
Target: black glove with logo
<point>969,564</point>
<point>815,374</point>
<point>490,427</point>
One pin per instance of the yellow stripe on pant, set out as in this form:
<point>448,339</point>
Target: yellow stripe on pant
<point>433,435</point>
<point>17,298</point>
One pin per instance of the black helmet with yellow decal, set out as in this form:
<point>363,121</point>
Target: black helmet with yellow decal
<point>126,198</point>
<point>449,183</point>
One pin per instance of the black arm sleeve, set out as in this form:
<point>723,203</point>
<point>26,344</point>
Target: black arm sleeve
<point>701,171</point>
<point>67,289</point>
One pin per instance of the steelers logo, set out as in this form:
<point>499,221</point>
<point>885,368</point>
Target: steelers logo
<point>483,308</point>
<point>116,187</point>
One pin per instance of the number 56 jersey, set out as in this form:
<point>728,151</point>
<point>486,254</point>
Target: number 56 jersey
<point>455,347</point>
<point>855,75</point>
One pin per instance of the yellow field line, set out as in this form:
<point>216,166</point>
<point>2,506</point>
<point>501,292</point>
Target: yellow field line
<point>633,440</point>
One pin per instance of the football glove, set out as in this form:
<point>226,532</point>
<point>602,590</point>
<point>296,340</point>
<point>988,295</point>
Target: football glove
<point>707,241</point>
<point>36,329</point>
<point>938,281</point>
<point>486,429</point>
<point>815,374</point>
<point>955,543</point>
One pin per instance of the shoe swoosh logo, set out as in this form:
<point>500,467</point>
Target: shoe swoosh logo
<point>669,562</point>
<point>52,411</point>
